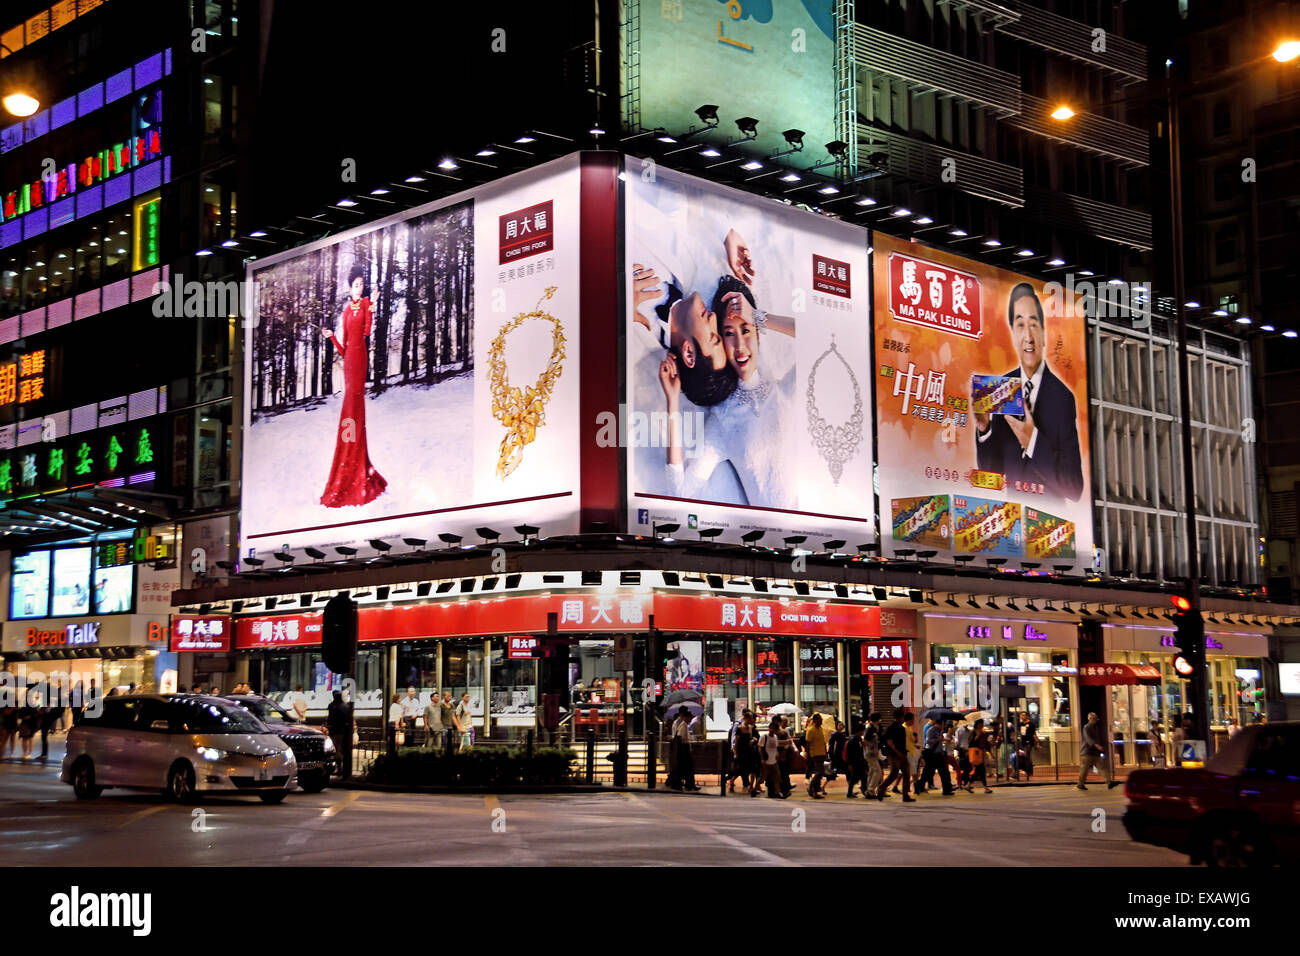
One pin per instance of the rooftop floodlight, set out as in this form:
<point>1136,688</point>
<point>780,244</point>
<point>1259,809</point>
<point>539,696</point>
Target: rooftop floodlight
<point>708,114</point>
<point>379,544</point>
<point>709,533</point>
<point>749,537</point>
<point>346,550</point>
<point>748,127</point>
<point>795,138</point>
<point>316,553</point>
<point>795,539</point>
<point>527,530</point>
<point>834,546</point>
<point>487,534</point>
<point>451,540</point>
<point>952,602</point>
<point>415,542</point>
<point>837,148</point>
<point>971,602</point>
<point>284,557</point>
<point>657,530</point>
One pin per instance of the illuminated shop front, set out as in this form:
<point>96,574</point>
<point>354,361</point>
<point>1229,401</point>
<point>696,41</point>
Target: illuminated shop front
<point>1236,683</point>
<point>574,661</point>
<point>92,612</point>
<point>979,653</point>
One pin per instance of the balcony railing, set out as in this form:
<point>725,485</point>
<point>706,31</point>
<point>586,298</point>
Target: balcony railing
<point>918,160</point>
<point>1128,227</point>
<point>1123,58</point>
<point>926,68</point>
<point>1125,144</point>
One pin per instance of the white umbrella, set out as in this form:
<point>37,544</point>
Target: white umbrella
<point>784,709</point>
<point>984,715</point>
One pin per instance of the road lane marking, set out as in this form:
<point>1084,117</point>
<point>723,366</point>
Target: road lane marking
<point>755,853</point>
<point>351,797</point>
<point>150,811</point>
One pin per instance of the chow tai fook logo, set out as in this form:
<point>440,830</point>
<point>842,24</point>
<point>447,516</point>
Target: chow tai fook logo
<point>523,647</point>
<point>527,232</point>
<point>831,275</point>
<point>886,657</point>
<point>74,635</point>
<point>200,634</point>
<point>273,632</point>
<point>940,297</point>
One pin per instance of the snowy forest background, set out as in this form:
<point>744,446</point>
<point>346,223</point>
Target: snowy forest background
<point>420,279</point>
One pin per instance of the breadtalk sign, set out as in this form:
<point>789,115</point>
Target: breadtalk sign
<point>74,635</point>
<point>940,297</point>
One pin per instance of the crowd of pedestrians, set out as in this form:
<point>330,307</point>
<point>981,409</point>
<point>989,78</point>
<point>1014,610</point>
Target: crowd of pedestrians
<point>906,758</point>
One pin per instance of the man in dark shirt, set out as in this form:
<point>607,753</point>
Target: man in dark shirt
<point>896,752</point>
<point>338,720</point>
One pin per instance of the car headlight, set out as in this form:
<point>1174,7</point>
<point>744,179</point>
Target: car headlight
<point>211,753</point>
<point>329,745</point>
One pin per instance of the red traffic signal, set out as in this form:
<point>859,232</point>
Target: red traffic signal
<point>1181,602</point>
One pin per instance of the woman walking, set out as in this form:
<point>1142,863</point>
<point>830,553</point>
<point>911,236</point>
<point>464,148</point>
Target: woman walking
<point>979,758</point>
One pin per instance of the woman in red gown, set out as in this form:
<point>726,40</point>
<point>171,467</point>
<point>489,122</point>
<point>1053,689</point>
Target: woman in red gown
<point>353,480</point>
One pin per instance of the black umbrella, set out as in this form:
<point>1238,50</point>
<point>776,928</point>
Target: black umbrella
<point>683,695</point>
<point>942,714</point>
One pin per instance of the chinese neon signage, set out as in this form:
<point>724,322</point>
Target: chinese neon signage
<point>65,180</point>
<point>143,547</point>
<point>147,222</point>
<point>23,381</point>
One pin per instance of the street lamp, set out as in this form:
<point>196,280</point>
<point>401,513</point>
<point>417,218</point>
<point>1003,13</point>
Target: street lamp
<point>1287,51</point>
<point>17,99</point>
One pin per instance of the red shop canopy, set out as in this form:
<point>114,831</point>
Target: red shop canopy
<point>1095,675</point>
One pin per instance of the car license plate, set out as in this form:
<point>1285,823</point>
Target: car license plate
<point>309,765</point>
<point>263,772</point>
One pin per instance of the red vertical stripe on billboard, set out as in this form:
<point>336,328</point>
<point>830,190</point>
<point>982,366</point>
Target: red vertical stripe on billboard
<point>600,468</point>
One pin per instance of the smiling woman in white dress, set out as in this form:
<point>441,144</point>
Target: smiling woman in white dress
<point>751,429</point>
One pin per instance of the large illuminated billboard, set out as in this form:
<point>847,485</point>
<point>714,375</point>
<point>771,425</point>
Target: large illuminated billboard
<point>30,585</point>
<point>419,374</point>
<point>982,411</point>
<point>748,364</point>
<point>768,60</point>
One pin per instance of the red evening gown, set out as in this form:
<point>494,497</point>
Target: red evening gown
<point>353,480</point>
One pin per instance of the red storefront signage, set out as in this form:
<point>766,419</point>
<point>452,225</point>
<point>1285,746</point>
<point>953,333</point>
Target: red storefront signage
<point>925,293</point>
<point>589,612</point>
<point>522,647</point>
<point>687,612</point>
<point>200,633</point>
<point>527,232</point>
<point>1106,675</point>
<point>886,657</point>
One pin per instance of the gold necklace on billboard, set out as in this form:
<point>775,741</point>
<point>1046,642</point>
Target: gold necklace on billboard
<point>838,443</point>
<point>522,412</point>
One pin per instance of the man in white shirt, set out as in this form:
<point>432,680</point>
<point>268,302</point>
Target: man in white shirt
<point>411,710</point>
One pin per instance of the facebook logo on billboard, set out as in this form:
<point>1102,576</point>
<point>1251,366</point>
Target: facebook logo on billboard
<point>642,515</point>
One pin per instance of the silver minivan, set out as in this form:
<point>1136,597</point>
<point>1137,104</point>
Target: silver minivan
<point>182,744</point>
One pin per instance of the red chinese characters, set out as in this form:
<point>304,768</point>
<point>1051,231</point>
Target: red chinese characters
<point>940,297</point>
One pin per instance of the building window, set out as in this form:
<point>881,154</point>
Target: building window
<point>1226,183</point>
<point>1222,118</point>
<point>1228,303</point>
<point>1219,52</point>
<point>1225,245</point>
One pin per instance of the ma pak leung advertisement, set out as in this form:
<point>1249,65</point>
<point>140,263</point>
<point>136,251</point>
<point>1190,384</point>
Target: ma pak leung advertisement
<point>748,364</point>
<point>418,375</point>
<point>982,410</point>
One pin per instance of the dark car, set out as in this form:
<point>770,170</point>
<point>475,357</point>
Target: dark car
<point>313,749</point>
<point>1241,809</point>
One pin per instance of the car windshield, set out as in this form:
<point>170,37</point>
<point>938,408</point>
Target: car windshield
<point>266,710</point>
<point>217,717</point>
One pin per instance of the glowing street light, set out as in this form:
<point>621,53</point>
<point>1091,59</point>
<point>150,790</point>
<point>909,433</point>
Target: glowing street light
<point>1287,51</point>
<point>1062,112</point>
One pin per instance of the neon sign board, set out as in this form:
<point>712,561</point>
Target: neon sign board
<point>65,180</point>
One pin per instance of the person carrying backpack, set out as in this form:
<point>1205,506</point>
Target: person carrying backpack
<point>855,762</point>
<point>835,761</point>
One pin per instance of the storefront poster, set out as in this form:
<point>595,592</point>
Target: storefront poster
<point>925,522</point>
<point>30,585</point>
<point>70,591</point>
<point>957,361</point>
<point>686,671</point>
<point>747,364</point>
<point>419,374</point>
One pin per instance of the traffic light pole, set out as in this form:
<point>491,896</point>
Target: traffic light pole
<point>1198,697</point>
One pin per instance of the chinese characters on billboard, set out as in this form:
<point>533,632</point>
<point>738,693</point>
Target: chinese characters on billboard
<point>408,376</point>
<point>981,388</point>
<point>747,364</point>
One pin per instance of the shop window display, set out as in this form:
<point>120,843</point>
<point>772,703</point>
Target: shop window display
<point>726,683</point>
<point>819,689</point>
<point>773,676</point>
<point>514,694</point>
